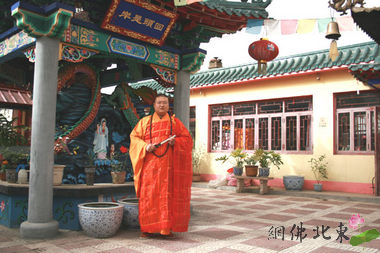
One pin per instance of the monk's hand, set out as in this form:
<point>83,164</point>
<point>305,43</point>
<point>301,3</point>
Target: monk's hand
<point>171,142</point>
<point>150,147</point>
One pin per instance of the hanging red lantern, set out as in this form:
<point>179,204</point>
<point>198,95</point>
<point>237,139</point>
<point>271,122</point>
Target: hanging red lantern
<point>263,51</point>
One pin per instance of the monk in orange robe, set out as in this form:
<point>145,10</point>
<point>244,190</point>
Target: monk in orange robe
<point>162,173</point>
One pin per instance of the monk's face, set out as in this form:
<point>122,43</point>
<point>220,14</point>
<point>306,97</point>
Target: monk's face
<point>161,106</point>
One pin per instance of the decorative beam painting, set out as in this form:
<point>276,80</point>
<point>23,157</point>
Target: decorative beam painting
<point>103,42</point>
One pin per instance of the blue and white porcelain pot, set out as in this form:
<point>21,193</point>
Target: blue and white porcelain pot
<point>293,183</point>
<point>100,219</point>
<point>131,212</point>
<point>264,172</point>
<point>238,171</point>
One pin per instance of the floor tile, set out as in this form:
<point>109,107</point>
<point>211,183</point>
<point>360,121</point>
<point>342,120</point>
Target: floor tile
<point>354,210</point>
<point>276,217</point>
<point>217,233</point>
<point>250,224</point>
<point>330,250</point>
<point>238,211</point>
<point>273,244</point>
<point>297,211</point>
<point>225,221</point>
<point>315,206</point>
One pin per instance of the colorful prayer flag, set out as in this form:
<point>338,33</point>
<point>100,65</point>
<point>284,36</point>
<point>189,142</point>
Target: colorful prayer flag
<point>305,25</point>
<point>345,23</point>
<point>291,26</point>
<point>272,27</point>
<point>254,26</point>
<point>322,24</point>
<point>288,26</point>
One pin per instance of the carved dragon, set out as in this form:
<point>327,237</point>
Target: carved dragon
<point>344,5</point>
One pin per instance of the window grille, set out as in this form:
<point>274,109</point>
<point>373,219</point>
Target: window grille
<point>245,109</point>
<point>291,133</point>
<point>192,122</point>
<point>276,133</point>
<point>281,125</point>
<point>238,134</point>
<point>250,134</point>
<point>355,120</point>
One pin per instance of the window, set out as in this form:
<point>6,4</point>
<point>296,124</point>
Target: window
<point>192,122</point>
<point>281,125</point>
<point>355,121</point>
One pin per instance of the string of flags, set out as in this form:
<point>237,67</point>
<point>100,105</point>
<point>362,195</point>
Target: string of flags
<point>294,26</point>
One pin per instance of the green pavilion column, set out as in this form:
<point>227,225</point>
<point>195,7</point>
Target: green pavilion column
<point>190,63</point>
<point>47,30</point>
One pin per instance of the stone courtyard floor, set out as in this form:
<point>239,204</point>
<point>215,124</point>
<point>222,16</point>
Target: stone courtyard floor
<point>225,221</point>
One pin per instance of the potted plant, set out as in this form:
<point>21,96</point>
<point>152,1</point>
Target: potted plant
<point>11,158</point>
<point>266,159</point>
<point>119,166</point>
<point>3,165</point>
<point>238,155</point>
<point>319,168</point>
<point>251,168</point>
<point>2,170</point>
<point>61,145</point>
<point>9,136</point>
<point>197,155</point>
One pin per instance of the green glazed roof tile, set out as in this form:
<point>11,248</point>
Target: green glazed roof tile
<point>304,63</point>
<point>361,56</point>
<point>346,56</point>
<point>252,9</point>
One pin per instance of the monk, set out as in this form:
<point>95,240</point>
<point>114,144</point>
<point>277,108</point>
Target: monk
<point>162,173</point>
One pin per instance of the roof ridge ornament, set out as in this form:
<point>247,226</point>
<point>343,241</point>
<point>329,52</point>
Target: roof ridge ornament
<point>344,5</point>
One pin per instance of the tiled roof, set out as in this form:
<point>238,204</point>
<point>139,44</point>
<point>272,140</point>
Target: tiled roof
<point>366,67</point>
<point>254,9</point>
<point>348,56</point>
<point>16,97</point>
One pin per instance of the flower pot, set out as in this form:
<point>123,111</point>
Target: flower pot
<point>251,170</point>
<point>293,183</point>
<point>100,219</point>
<point>118,177</point>
<point>22,176</point>
<point>131,212</point>
<point>58,174</point>
<point>263,172</point>
<point>3,176</point>
<point>11,175</point>
<point>90,175</point>
<point>318,187</point>
<point>238,171</point>
<point>196,177</point>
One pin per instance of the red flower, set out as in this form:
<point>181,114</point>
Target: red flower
<point>2,206</point>
<point>230,170</point>
<point>123,149</point>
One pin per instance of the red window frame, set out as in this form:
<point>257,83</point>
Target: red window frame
<point>355,103</point>
<point>355,144</point>
<point>270,136</point>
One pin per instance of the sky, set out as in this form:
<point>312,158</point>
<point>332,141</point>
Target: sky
<point>233,48</point>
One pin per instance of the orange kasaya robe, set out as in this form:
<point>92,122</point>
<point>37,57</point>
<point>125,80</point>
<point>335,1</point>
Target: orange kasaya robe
<point>163,184</point>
